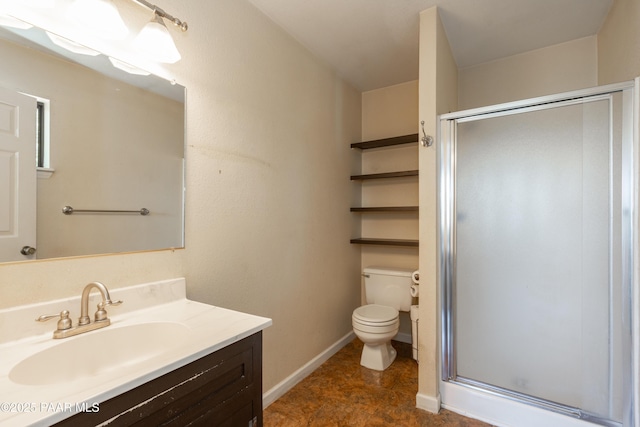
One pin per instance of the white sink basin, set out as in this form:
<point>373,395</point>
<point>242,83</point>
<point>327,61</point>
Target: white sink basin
<point>98,352</point>
<point>155,331</point>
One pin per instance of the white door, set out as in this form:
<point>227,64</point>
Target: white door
<point>17,175</point>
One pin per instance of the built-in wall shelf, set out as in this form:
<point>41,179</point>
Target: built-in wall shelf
<point>386,142</point>
<point>386,209</point>
<point>384,175</point>
<point>386,242</point>
<point>378,143</point>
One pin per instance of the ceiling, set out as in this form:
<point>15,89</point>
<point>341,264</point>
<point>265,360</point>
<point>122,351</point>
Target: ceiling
<point>374,43</point>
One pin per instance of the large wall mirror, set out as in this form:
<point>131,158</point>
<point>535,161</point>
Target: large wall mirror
<point>115,143</point>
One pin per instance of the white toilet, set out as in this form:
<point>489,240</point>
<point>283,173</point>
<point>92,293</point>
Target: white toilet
<point>387,291</point>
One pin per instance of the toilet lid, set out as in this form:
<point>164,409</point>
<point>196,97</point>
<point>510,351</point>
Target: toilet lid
<point>374,313</point>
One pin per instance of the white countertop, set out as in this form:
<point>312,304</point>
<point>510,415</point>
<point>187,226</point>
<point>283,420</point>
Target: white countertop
<point>210,328</point>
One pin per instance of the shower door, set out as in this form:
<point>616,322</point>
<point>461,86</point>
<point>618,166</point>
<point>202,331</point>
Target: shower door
<point>536,252</point>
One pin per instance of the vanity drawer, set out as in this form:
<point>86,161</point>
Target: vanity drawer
<point>220,389</point>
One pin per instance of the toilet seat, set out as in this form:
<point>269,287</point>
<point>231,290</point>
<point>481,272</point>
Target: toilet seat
<point>375,315</point>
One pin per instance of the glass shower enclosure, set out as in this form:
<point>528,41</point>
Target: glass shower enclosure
<point>536,252</point>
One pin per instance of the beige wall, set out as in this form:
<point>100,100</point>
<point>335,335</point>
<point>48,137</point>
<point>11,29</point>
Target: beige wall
<point>438,94</point>
<point>619,43</point>
<point>113,146</point>
<point>388,112</point>
<point>559,68</point>
<point>268,191</point>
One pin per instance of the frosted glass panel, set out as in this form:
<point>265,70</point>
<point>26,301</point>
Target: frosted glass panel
<point>535,258</point>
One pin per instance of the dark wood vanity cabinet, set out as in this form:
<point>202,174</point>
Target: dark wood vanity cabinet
<point>221,389</point>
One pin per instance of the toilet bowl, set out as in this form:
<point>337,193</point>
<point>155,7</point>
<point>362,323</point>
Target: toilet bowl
<point>387,292</point>
<point>375,325</point>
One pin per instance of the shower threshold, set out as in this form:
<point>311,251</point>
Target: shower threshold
<point>546,407</point>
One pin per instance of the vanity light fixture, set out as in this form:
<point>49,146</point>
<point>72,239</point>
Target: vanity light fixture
<point>100,17</point>
<point>155,42</point>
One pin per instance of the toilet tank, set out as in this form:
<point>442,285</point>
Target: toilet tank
<point>388,286</point>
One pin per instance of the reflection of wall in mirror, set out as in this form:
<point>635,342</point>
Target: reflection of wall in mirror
<point>113,146</point>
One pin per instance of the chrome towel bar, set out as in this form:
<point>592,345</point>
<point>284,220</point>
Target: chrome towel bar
<point>68,210</point>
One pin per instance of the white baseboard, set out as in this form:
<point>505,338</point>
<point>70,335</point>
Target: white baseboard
<point>428,403</point>
<point>287,384</point>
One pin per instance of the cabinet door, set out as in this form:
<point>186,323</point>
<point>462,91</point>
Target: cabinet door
<point>221,389</point>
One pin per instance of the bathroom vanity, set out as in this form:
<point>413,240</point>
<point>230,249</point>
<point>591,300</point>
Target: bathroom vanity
<point>220,389</point>
<point>164,360</point>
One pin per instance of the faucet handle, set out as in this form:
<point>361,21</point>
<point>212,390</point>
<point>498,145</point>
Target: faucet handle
<point>63,323</point>
<point>103,304</point>
<point>101,314</point>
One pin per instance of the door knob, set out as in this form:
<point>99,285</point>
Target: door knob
<point>27,250</point>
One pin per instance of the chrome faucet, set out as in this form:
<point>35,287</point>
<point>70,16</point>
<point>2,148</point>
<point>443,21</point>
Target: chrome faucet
<point>65,325</point>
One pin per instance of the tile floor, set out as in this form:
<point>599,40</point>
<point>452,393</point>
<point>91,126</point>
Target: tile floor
<point>343,393</point>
